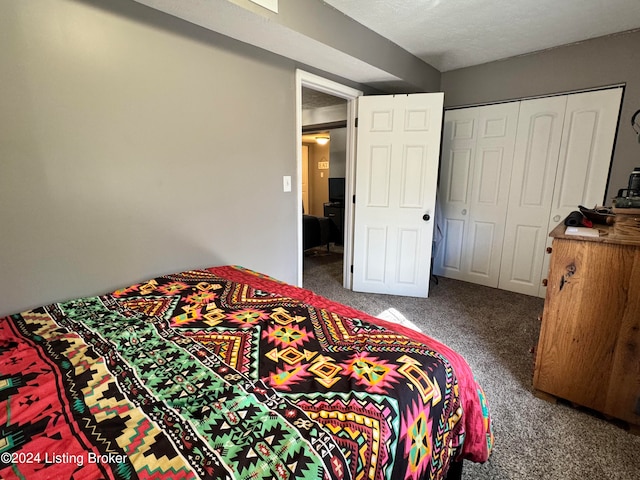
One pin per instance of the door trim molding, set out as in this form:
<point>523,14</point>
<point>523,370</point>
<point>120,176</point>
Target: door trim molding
<point>315,82</point>
<point>546,95</point>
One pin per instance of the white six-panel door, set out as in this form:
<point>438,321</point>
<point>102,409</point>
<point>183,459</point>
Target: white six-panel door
<point>398,151</point>
<point>474,191</point>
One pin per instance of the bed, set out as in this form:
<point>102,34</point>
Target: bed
<point>224,373</point>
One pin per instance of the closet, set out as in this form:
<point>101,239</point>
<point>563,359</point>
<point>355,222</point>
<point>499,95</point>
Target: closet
<point>510,173</point>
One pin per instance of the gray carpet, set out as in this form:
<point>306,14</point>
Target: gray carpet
<point>495,330</point>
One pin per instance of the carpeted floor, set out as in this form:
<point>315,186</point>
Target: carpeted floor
<point>495,331</point>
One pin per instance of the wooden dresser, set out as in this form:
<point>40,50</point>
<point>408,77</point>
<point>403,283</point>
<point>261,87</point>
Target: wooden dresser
<point>589,346</point>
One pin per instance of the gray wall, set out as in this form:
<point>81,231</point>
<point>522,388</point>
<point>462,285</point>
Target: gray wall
<point>603,61</point>
<point>331,27</point>
<point>338,153</point>
<point>325,24</point>
<point>134,144</point>
<point>131,145</point>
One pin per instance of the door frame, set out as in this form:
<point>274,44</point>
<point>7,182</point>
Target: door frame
<point>315,82</point>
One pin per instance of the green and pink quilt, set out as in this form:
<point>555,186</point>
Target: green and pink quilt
<point>228,374</point>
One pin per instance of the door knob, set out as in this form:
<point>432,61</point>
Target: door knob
<point>426,217</point>
<point>556,218</point>
<point>464,211</point>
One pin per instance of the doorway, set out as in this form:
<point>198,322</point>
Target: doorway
<point>323,188</point>
<point>313,83</point>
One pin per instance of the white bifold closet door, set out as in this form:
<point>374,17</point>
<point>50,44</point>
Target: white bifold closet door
<point>535,162</point>
<point>556,154</point>
<point>588,137</point>
<point>474,190</point>
<point>562,157</point>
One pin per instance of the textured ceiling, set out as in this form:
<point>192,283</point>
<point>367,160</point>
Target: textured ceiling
<point>451,34</point>
<point>314,99</point>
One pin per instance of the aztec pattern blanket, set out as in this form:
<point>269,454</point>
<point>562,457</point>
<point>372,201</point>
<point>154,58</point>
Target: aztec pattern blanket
<point>227,374</point>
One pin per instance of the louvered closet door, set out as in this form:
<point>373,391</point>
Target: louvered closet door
<point>588,136</point>
<point>535,160</point>
<point>474,188</point>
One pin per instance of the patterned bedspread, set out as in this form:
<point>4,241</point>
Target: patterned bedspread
<point>227,374</point>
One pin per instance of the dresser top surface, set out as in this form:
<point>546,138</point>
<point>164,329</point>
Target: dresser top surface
<point>624,231</point>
